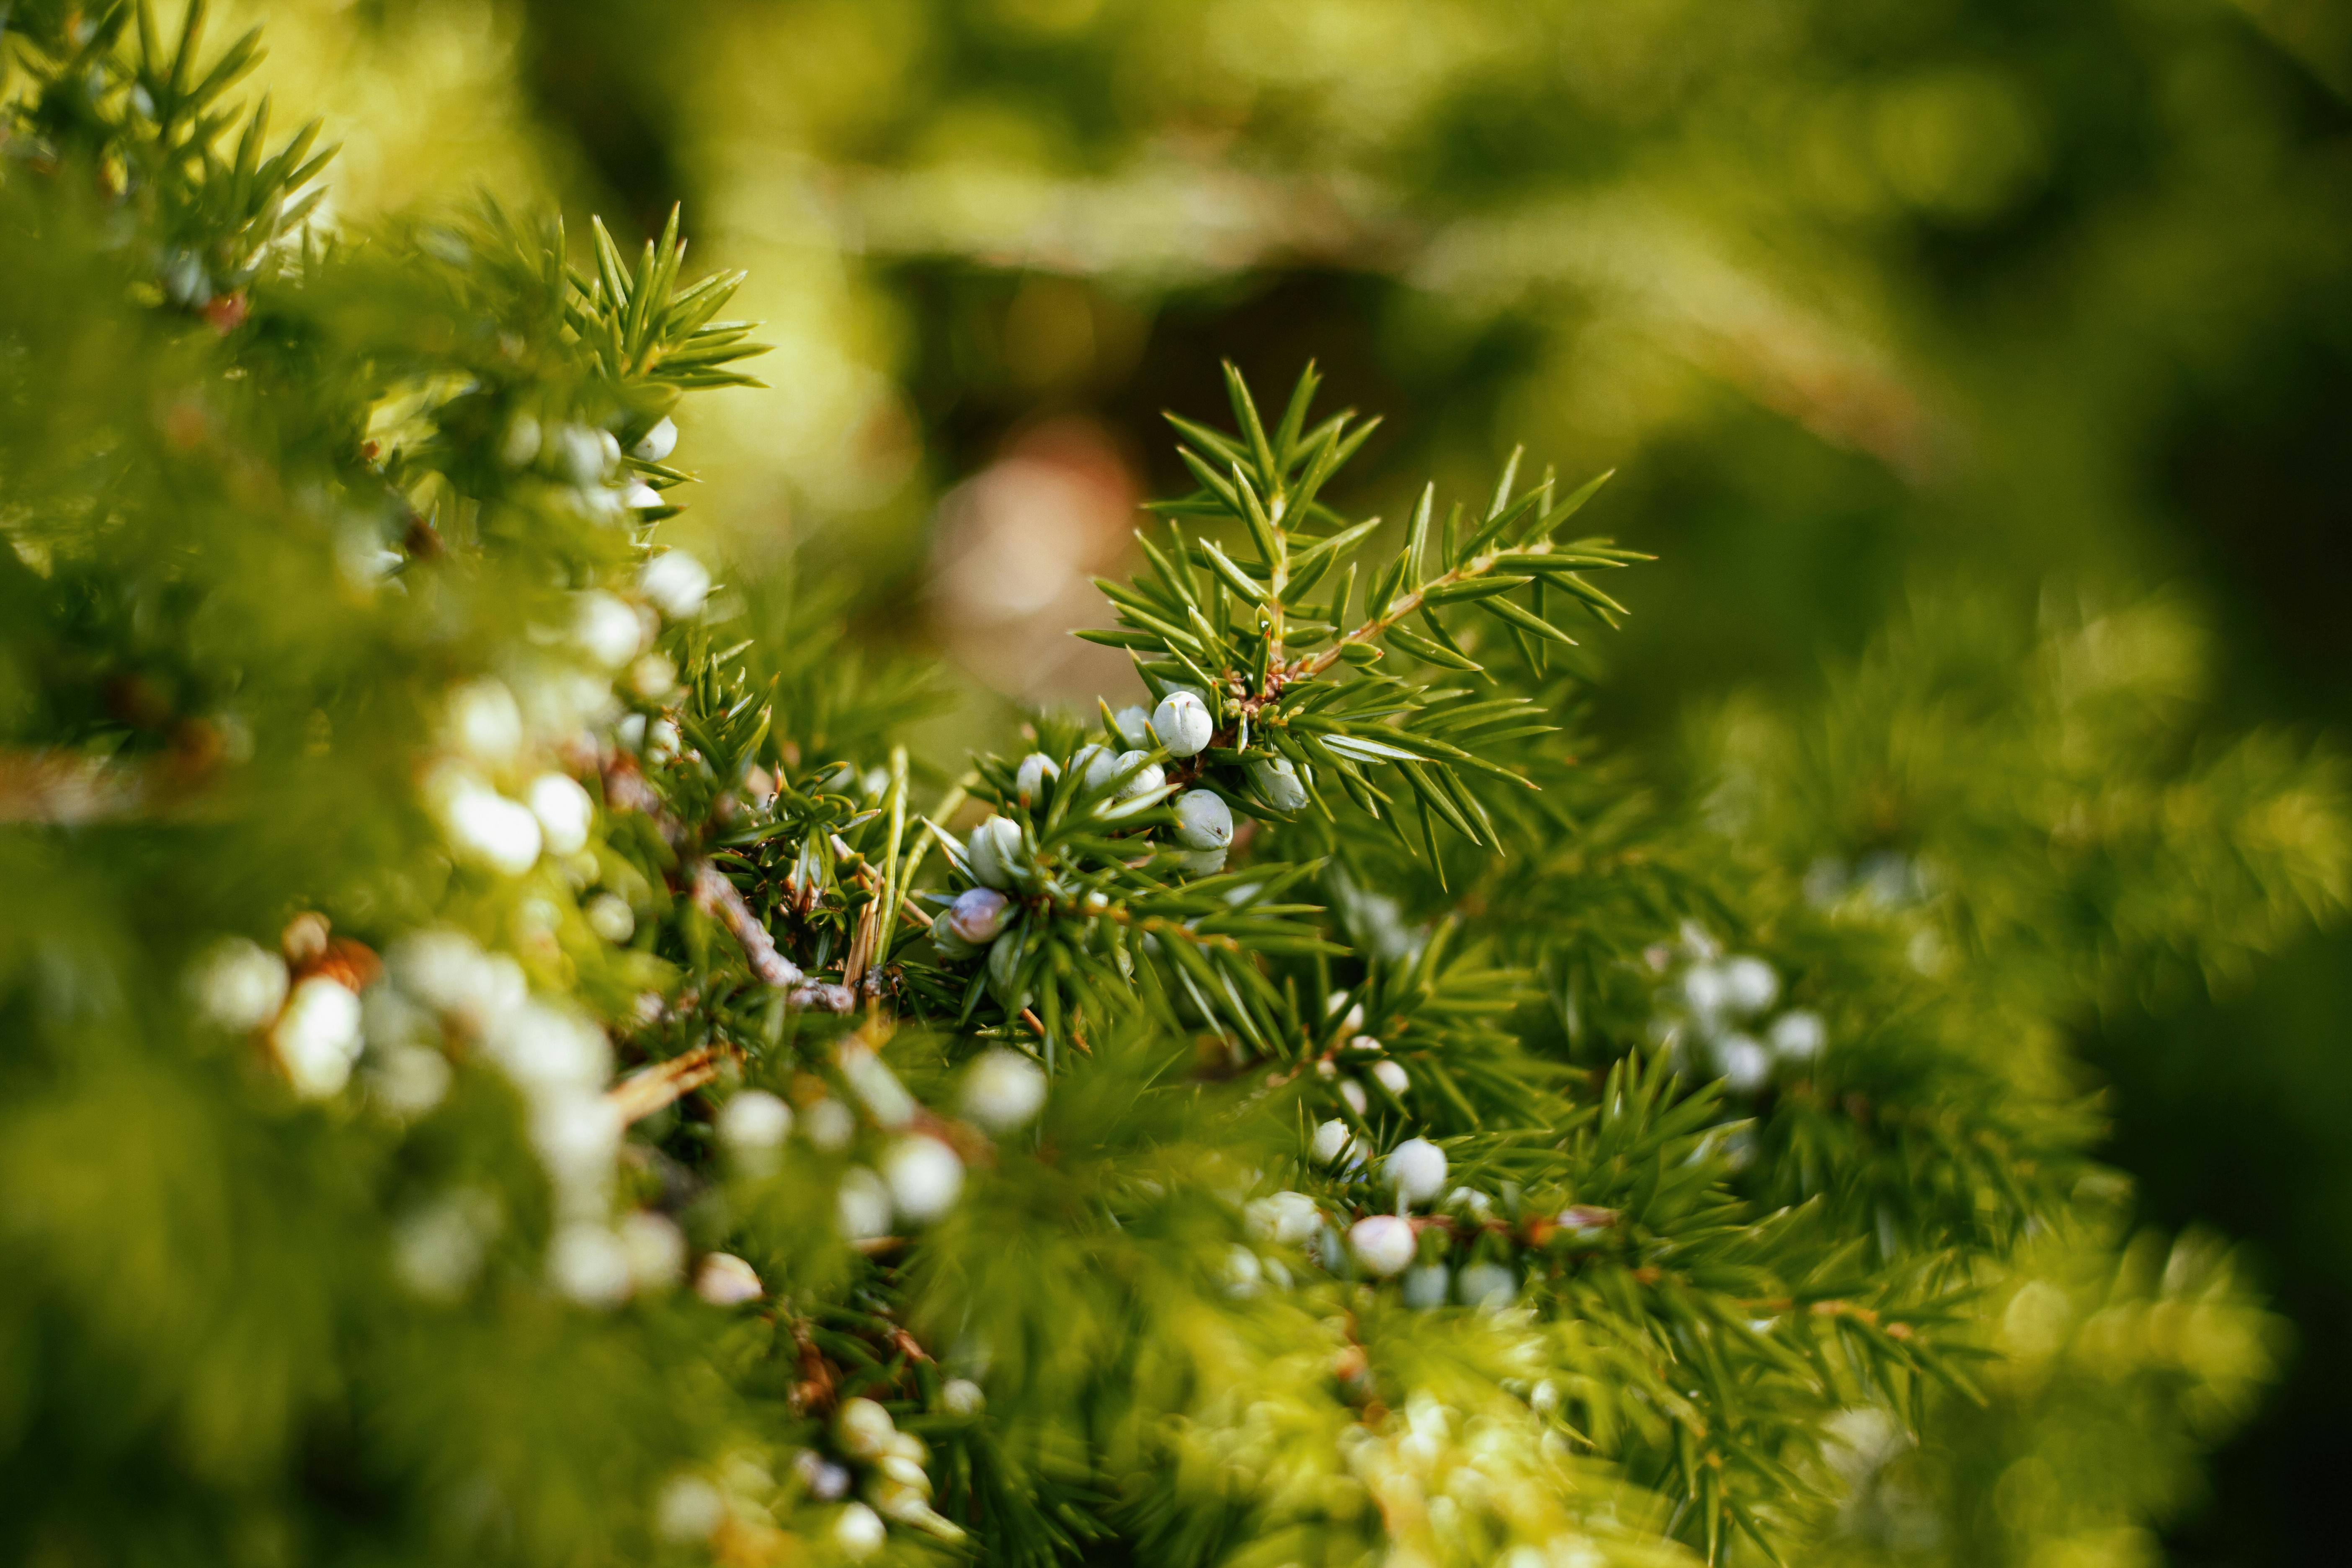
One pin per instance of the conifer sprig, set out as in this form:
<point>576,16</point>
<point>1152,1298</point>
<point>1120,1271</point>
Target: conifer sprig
<point>146,122</point>
<point>489,1010</point>
<point>1294,679</point>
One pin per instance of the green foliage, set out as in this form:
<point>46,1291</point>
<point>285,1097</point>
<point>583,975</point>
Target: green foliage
<point>1404,1168</point>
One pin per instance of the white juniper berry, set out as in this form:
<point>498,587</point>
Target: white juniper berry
<point>673,582</point>
<point>1182,723</point>
<point>993,851</point>
<point>924,1176</point>
<point>1416,1169</point>
<point>1381,1243</point>
<point>1203,821</point>
<point>657,443</point>
<point>754,1123</point>
<point>1003,1090</point>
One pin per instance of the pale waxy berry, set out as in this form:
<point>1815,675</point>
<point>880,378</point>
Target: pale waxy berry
<point>1182,724</point>
<point>1285,1217</point>
<point>1485,1285</point>
<point>1747,1066</point>
<point>582,454</point>
<point>829,1125</point>
<point>859,1531</point>
<point>488,827</point>
<point>1035,769</point>
<point>1750,984</point>
<point>864,1428</point>
<point>726,1281</point>
<point>485,722</point>
<point>1094,766</point>
<point>992,852</point>
<point>564,811</point>
<point>1426,1286</point>
<point>608,628</point>
<point>675,582</point>
<point>863,1202</point>
<point>688,1508</point>
<point>587,1263</point>
<point>1331,1140</point>
<point>1204,820</point>
<point>655,1248</point>
<point>925,1177</point>
<point>239,984</point>
<point>1798,1037</point>
<point>1416,1169</point>
<point>976,915</point>
<point>610,917</point>
<point>1278,782</point>
<point>317,1037</point>
<point>753,1125</point>
<point>1143,775</point>
<point>657,443</point>
<point>1383,1244</point>
<point>1004,1090</point>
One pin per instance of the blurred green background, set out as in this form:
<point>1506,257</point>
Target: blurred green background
<point>1864,298</point>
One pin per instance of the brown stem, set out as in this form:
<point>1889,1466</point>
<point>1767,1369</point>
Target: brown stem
<point>61,788</point>
<point>639,1095</point>
<point>862,943</point>
<point>714,895</point>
